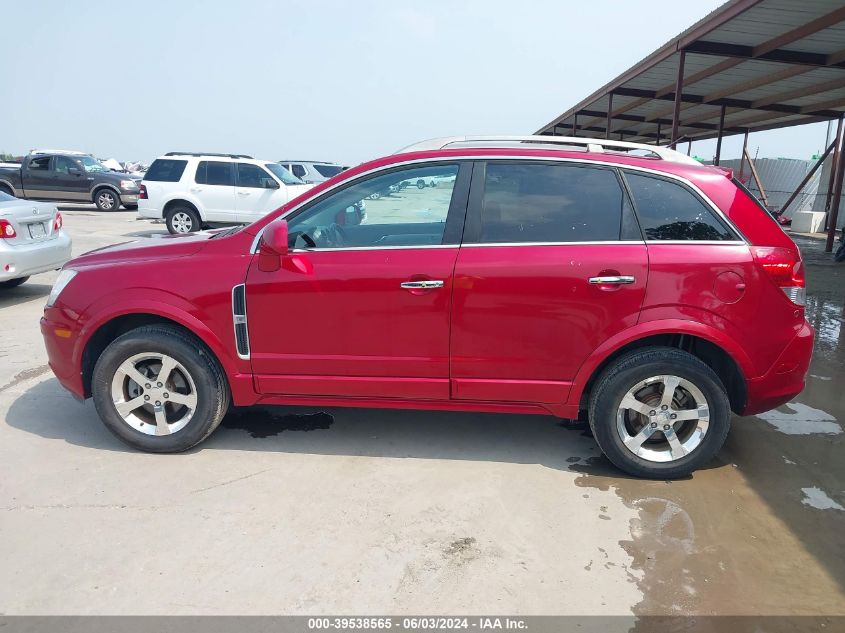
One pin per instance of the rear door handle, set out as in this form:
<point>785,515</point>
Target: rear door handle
<point>612,279</point>
<point>421,285</point>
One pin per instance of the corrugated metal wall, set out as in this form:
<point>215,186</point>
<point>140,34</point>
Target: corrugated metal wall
<point>780,177</point>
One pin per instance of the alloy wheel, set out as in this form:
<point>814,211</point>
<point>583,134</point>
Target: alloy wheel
<point>182,222</point>
<point>105,200</point>
<point>663,418</point>
<point>154,393</point>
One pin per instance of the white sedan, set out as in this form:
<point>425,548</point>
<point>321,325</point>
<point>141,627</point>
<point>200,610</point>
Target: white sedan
<point>31,239</point>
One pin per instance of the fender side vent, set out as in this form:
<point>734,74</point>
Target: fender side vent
<point>239,319</point>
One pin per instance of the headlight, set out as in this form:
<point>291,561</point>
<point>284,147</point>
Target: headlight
<point>64,278</point>
<point>128,184</point>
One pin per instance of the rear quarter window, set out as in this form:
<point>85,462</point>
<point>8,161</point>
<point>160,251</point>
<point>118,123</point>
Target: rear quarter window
<point>669,211</point>
<point>166,170</point>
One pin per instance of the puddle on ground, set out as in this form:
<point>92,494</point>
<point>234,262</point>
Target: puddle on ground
<point>819,499</point>
<point>742,535</point>
<point>261,423</point>
<point>799,419</point>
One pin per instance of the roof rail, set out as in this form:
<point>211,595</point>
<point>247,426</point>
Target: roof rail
<point>209,154</point>
<point>596,145</point>
<point>64,152</point>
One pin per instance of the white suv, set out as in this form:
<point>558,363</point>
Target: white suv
<point>189,191</point>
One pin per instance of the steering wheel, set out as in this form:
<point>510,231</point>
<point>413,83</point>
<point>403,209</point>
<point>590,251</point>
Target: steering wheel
<point>309,241</point>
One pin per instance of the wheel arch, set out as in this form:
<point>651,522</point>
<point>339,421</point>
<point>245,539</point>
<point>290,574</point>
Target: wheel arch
<point>8,187</point>
<point>100,334</point>
<point>103,185</point>
<point>182,201</point>
<point>714,348</point>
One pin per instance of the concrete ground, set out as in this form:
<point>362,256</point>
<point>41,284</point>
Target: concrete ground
<point>298,511</point>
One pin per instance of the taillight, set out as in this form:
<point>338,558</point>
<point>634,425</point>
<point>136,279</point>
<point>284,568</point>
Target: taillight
<point>143,194</point>
<point>6,230</point>
<point>57,223</point>
<point>784,267</point>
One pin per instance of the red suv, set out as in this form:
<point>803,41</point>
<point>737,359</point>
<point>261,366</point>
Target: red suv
<point>544,275</point>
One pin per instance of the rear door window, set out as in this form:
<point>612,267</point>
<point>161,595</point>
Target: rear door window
<point>541,203</point>
<point>670,211</point>
<point>298,170</point>
<point>166,170</point>
<point>214,172</point>
<point>40,164</point>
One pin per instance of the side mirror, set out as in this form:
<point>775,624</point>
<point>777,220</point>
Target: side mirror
<point>74,171</point>
<point>269,183</point>
<point>273,246</point>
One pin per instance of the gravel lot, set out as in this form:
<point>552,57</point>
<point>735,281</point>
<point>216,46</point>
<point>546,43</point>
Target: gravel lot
<point>310,511</point>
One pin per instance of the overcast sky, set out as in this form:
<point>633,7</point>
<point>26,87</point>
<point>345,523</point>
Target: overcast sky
<point>320,79</point>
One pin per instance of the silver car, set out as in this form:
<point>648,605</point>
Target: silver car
<point>312,171</point>
<point>31,239</point>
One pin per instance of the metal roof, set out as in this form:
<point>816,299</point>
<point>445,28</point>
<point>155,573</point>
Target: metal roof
<point>762,64</point>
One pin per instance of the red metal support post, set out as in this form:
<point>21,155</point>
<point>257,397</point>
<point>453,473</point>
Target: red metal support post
<point>719,137</point>
<point>658,134</point>
<point>679,87</point>
<point>609,112</point>
<point>575,125</point>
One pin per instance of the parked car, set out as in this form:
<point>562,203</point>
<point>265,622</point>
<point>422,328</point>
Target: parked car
<point>190,191</point>
<point>32,240</point>
<point>65,176</point>
<point>649,295</point>
<point>312,171</point>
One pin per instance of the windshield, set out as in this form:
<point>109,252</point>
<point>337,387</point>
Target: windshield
<point>328,171</point>
<point>91,164</point>
<point>283,174</point>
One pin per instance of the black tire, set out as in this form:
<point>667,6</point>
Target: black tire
<point>106,200</point>
<point>212,390</point>
<point>630,369</point>
<point>6,189</point>
<point>421,184</point>
<point>13,283</point>
<point>179,217</point>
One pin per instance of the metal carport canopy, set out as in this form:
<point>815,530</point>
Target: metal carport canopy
<point>750,65</point>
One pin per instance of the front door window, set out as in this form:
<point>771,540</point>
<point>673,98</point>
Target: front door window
<point>407,207</point>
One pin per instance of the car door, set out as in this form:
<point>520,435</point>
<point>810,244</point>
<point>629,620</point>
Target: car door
<point>362,310</point>
<point>552,265</point>
<point>214,187</point>
<point>256,192</point>
<point>69,180</point>
<point>37,178</point>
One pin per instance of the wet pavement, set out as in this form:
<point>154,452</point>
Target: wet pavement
<point>304,510</point>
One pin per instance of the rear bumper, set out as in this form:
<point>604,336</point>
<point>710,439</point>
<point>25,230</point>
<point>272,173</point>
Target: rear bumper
<point>148,211</point>
<point>23,260</point>
<point>785,379</point>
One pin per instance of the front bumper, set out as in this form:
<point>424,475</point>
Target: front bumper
<point>23,260</point>
<point>60,332</point>
<point>785,379</point>
<point>129,198</point>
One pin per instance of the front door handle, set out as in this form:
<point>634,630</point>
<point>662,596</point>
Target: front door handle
<point>425,284</point>
<point>612,279</point>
